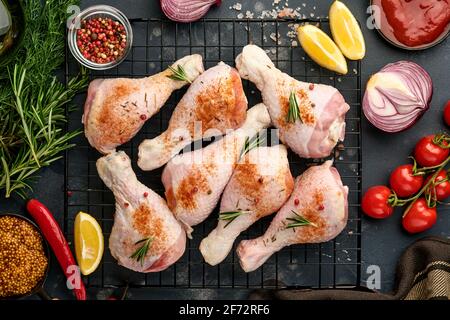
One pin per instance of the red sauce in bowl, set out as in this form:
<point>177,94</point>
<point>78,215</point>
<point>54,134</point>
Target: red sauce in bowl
<point>414,23</point>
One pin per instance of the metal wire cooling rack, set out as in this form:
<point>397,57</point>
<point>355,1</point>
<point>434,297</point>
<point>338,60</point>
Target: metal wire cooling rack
<point>157,43</point>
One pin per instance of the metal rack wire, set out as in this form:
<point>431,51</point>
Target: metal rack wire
<point>157,43</point>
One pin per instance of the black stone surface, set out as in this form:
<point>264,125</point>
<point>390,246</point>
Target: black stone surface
<point>382,241</point>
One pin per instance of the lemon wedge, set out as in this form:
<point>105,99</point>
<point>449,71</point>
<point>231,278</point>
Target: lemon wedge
<point>88,243</point>
<point>319,46</point>
<point>346,31</point>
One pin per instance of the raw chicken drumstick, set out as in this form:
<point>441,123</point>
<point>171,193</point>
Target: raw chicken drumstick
<point>142,218</point>
<point>195,180</point>
<point>315,212</point>
<point>116,109</point>
<point>312,126</point>
<point>214,103</point>
<point>261,183</point>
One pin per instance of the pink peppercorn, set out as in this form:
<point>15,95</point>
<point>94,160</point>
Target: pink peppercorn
<point>97,40</point>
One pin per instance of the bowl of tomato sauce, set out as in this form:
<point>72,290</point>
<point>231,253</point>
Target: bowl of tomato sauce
<point>100,37</point>
<point>412,24</point>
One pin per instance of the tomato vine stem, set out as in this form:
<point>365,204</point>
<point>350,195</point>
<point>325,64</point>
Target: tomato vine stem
<point>423,170</point>
<point>396,202</point>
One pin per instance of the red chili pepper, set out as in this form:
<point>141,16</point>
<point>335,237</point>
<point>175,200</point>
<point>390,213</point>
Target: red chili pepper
<point>55,237</point>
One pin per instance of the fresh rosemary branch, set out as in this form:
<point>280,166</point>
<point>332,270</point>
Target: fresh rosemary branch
<point>299,221</point>
<point>32,101</point>
<point>250,144</point>
<point>179,74</point>
<point>231,215</point>
<point>141,252</point>
<point>294,109</point>
<point>44,37</point>
<point>37,136</point>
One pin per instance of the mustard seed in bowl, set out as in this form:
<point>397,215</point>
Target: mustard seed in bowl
<point>23,262</point>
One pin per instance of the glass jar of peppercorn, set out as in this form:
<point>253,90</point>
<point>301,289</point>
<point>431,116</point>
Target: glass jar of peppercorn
<point>100,37</point>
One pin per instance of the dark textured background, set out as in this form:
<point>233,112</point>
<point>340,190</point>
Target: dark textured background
<point>382,241</point>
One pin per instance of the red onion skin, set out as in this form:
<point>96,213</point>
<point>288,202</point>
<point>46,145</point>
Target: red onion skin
<point>187,10</point>
<point>397,126</point>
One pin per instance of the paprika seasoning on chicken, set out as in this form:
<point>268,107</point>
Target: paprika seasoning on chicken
<point>414,23</point>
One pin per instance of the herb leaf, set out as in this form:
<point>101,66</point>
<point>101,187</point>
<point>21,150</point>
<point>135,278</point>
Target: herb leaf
<point>32,101</point>
<point>299,221</point>
<point>231,215</point>
<point>294,109</point>
<point>179,74</point>
<point>141,252</point>
<point>250,144</point>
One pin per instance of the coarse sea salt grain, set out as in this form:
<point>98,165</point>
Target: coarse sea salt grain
<point>291,34</point>
<point>237,6</point>
<point>273,36</point>
<point>279,10</point>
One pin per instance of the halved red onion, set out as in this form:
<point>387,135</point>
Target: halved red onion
<point>187,10</point>
<point>397,96</point>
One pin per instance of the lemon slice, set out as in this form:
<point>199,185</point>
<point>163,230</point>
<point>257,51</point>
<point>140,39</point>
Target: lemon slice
<point>319,46</point>
<point>88,243</point>
<point>346,31</point>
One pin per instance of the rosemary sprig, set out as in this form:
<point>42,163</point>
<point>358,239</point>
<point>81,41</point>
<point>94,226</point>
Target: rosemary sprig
<point>299,221</point>
<point>141,252</point>
<point>37,117</point>
<point>231,215</point>
<point>250,144</point>
<point>32,101</point>
<point>294,109</point>
<point>179,74</point>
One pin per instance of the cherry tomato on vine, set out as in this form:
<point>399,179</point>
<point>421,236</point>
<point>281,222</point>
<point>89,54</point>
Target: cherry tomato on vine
<point>420,217</point>
<point>443,188</point>
<point>375,202</point>
<point>403,182</point>
<point>447,113</point>
<point>429,154</point>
